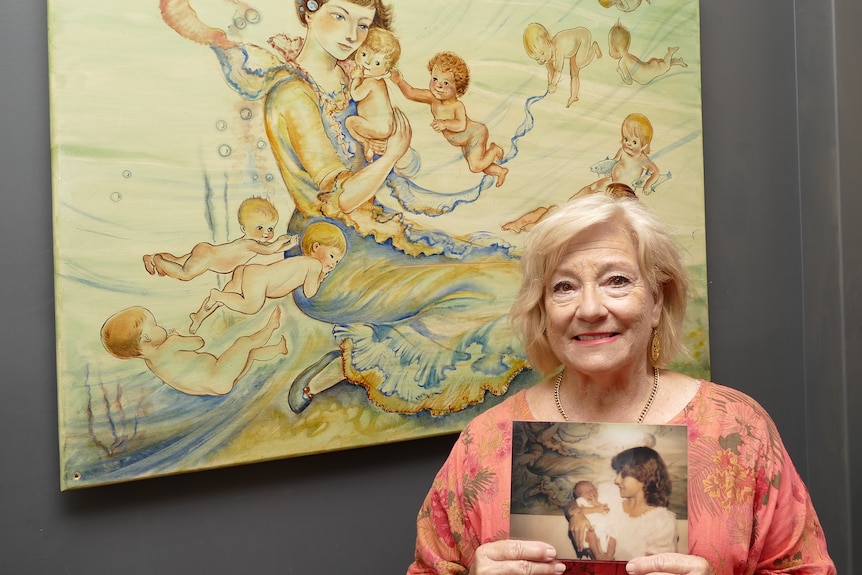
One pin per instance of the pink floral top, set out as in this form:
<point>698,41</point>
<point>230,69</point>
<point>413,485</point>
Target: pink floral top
<point>748,509</point>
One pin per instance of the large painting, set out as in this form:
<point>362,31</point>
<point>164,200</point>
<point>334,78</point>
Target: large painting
<point>289,227</point>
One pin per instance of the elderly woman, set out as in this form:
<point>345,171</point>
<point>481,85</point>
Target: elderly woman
<point>600,308</point>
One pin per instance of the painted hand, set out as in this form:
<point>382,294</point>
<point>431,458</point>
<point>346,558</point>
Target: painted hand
<point>399,141</point>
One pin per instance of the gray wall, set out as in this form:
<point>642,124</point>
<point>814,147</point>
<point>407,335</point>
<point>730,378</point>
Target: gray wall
<point>781,93</point>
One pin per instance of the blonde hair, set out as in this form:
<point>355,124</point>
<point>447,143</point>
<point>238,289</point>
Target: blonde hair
<point>640,126</point>
<point>121,333</point>
<point>620,32</point>
<point>451,62</point>
<point>535,37</point>
<point>384,42</point>
<point>325,234</point>
<point>256,206</point>
<point>658,258</point>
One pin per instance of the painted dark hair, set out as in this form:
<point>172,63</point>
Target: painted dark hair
<point>383,13</point>
<point>647,466</point>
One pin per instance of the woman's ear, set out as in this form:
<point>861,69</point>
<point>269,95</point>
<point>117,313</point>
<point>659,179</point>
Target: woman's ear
<point>658,304</point>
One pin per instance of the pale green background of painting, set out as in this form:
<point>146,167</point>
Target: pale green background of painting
<point>135,110</point>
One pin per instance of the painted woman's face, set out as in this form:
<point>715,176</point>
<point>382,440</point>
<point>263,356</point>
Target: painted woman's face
<point>339,27</point>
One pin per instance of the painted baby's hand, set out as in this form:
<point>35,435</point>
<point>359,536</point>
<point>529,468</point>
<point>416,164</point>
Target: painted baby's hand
<point>290,240</point>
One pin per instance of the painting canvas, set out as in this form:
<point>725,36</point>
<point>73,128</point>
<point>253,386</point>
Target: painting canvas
<point>284,228</point>
<point>601,493</point>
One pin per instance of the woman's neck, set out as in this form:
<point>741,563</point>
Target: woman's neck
<point>321,66</point>
<point>618,398</point>
<point>635,506</point>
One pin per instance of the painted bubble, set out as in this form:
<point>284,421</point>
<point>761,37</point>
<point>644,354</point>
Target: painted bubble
<point>224,151</point>
<point>116,197</point>
<point>221,125</point>
<point>261,144</point>
<point>252,16</point>
<point>127,174</point>
<point>239,22</point>
<point>245,113</point>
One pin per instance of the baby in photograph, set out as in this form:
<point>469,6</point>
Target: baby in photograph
<point>598,538</point>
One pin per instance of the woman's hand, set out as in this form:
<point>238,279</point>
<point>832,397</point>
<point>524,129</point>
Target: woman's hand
<point>579,525</point>
<point>513,557</point>
<point>668,563</point>
<point>361,186</point>
<point>399,141</point>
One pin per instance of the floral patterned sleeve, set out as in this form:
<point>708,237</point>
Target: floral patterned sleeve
<point>468,503</point>
<point>749,510</point>
<point>792,539</point>
<point>437,551</point>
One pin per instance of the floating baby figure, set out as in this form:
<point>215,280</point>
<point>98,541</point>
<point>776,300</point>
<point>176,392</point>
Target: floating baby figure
<point>624,5</point>
<point>574,45</point>
<point>323,246</point>
<point>450,78</point>
<point>177,360</point>
<point>632,159</point>
<point>257,219</point>
<point>630,67</point>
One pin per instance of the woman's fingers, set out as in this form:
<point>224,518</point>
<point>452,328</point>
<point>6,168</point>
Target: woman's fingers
<point>668,564</point>
<point>399,141</point>
<point>514,557</point>
<point>509,549</point>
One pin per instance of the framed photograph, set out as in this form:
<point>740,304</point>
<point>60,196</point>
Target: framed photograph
<point>602,493</point>
<point>285,228</point>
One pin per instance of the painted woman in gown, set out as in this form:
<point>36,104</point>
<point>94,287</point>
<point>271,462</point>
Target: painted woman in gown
<point>418,315</point>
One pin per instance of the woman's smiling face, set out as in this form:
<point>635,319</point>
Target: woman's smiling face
<point>600,310</point>
<point>339,27</point>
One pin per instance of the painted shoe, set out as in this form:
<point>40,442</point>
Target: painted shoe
<point>299,396</point>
